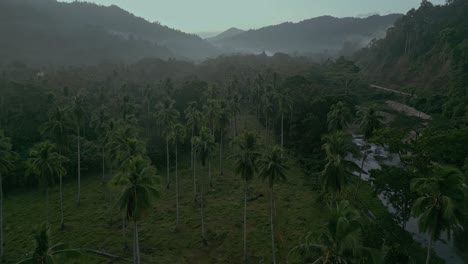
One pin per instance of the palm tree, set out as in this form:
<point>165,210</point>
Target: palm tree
<point>338,243</point>
<point>45,252</point>
<point>45,163</point>
<point>211,112</point>
<point>273,168</point>
<point>439,207</point>
<point>245,167</point>
<point>205,146</point>
<point>193,119</point>
<point>177,136</point>
<point>137,180</point>
<point>167,115</point>
<point>78,114</point>
<point>222,122</point>
<point>98,121</point>
<point>336,171</point>
<point>7,157</point>
<point>370,121</point>
<point>338,117</point>
<point>234,105</point>
<point>283,99</point>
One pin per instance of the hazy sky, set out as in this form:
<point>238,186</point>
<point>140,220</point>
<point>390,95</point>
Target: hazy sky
<point>196,16</point>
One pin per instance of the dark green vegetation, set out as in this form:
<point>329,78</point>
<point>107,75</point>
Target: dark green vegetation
<point>240,158</point>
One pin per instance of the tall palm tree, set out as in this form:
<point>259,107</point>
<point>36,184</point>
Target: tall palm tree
<point>439,207</point>
<point>45,252</point>
<point>7,157</point>
<point>273,168</point>
<point>205,147</point>
<point>78,114</point>
<point>46,163</point>
<point>245,166</point>
<point>370,122</point>
<point>137,180</point>
<point>283,100</point>
<point>339,116</point>
<point>338,243</point>
<point>222,123</point>
<point>177,136</point>
<point>98,121</point>
<point>193,119</point>
<point>212,113</point>
<point>167,115</point>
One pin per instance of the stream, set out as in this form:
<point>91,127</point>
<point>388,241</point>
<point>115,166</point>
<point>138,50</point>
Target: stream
<point>378,155</point>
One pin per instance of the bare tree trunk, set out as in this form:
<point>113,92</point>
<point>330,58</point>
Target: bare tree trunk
<point>273,249</point>
<point>62,224</point>
<point>429,248</point>
<point>1,219</point>
<point>194,178</point>
<point>202,201</point>
<point>79,166</point>
<point>167,163</point>
<point>47,205</point>
<point>136,244</point>
<point>177,186</point>
<point>245,222</point>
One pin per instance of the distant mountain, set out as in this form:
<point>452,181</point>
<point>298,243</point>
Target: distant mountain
<point>317,35</point>
<point>51,32</point>
<point>226,34</point>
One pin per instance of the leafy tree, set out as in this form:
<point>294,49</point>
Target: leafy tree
<point>45,252</point>
<point>245,166</point>
<point>7,157</point>
<point>167,115</point>
<point>438,209</point>
<point>137,180</point>
<point>46,163</point>
<point>273,168</point>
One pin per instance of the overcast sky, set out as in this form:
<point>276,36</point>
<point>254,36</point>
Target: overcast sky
<point>197,16</point>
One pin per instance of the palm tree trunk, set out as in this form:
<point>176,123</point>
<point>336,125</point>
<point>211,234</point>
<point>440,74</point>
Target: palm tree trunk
<point>282,135</point>
<point>47,205</point>
<point>176,187</point>
<point>429,248</point>
<point>203,208</point>
<point>1,218</point>
<point>136,244</point>
<point>124,234</point>
<point>210,174</point>
<point>62,225</point>
<point>360,171</point>
<point>245,222</point>
<point>192,158</point>
<point>79,166</point>
<point>194,178</point>
<point>167,162</point>
<point>110,196</point>
<point>103,166</point>
<point>273,250</point>
<point>235,124</point>
<point>221,154</point>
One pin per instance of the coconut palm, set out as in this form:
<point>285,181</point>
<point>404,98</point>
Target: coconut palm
<point>78,114</point>
<point>339,116</point>
<point>7,157</point>
<point>193,119</point>
<point>370,122</point>
<point>273,168</point>
<point>223,121</point>
<point>234,106</point>
<point>205,147</point>
<point>439,207</point>
<point>98,121</point>
<point>58,126</point>
<point>177,136</point>
<point>245,167</point>
<point>46,163</point>
<point>45,252</point>
<point>212,113</point>
<point>338,243</point>
<point>137,180</point>
<point>167,115</point>
<point>283,100</point>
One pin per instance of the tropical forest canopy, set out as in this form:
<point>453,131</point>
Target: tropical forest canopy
<point>115,146</point>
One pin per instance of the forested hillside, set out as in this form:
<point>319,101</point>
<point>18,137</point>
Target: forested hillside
<point>325,36</point>
<point>51,32</point>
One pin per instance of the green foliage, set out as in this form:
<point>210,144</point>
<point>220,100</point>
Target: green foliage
<point>272,166</point>
<point>45,163</point>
